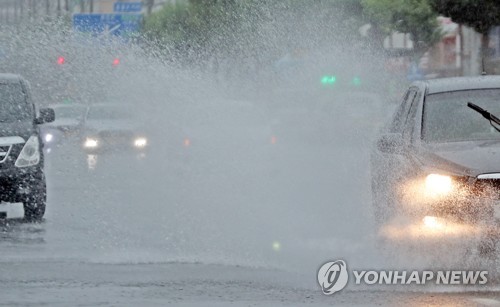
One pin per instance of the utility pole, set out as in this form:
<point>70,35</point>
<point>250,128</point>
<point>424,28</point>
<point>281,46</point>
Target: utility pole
<point>6,14</point>
<point>91,10</point>
<point>30,9</point>
<point>16,16</point>
<point>34,8</point>
<point>149,5</point>
<point>21,10</point>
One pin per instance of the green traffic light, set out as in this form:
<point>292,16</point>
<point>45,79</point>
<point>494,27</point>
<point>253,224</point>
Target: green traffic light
<point>328,80</point>
<point>356,81</point>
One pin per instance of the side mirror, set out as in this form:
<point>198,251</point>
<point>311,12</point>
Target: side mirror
<point>47,115</point>
<point>391,143</point>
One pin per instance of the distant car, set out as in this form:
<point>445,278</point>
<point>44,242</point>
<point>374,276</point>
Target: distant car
<point>21,157</point>
<point>113,127</point>
<point>435,169</point>
<point>68,123</point>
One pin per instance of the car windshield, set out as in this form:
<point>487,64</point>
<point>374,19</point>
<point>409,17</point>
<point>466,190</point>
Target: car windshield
<point>448,119</point>
<point>13,104</point>
<point>110,112</point>
<point>69,112</point>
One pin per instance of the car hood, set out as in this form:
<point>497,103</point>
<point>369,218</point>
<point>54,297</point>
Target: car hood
<point>64,122</point>
<point>23,129</point>
<point>464,158</point>
<point>110,125</point>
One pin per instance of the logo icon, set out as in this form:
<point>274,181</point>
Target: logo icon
<point>333,277</point>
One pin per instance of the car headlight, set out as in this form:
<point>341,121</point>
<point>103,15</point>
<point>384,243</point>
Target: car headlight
<point>30,154</point>
<point>432,222</point>
<point>49,137</point>
<point>140,142</point>
<point>438,185</point>
<point>90,143</point>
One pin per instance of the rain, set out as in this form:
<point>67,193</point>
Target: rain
<point>218,152</point>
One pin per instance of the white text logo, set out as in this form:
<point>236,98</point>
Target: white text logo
<point>332,276</point>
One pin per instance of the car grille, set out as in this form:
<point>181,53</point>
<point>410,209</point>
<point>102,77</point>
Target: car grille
<point>4,153</point>
<point>116,137</point>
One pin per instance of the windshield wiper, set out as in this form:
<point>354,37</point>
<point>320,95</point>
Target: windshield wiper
<point>490,117</point>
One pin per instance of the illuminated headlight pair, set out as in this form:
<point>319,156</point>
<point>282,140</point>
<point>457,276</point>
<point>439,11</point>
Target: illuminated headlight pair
<point>438,185</point>
<point>30,154</point>
<point>91,143</point>
<point>140,142</point>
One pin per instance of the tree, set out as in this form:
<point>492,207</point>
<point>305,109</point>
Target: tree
<point>170,27</point>
<point>222,27</point>
<point>185,24</point>
<point>482,16</point>
<point>415,17</point>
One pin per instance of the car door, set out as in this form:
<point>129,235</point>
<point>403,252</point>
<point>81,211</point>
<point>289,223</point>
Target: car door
<point>390,164</point>
<point>407,164</point>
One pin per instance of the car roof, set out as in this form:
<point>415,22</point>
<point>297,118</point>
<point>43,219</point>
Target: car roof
<point>109,105</point>
<point>460,83</point>
<point>4,77</point>
<point>67,105</point>
<point>97,106</point>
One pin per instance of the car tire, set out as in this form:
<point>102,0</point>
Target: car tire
<point>34,211</point>
<point>383,203</point>
<point>34,205</point>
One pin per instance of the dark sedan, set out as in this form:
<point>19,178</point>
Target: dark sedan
<point>436,167</point>
<point>113,127</point>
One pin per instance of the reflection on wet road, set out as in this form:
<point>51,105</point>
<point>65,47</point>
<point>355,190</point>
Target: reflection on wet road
<point>16,233</point>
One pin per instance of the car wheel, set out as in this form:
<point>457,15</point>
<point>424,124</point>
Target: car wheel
<point>34,205</point>
<point>34,211</point>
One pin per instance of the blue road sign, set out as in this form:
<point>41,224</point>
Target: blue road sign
<point>414,73</point>
<point>107,24</point>
<point>127,7</point>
